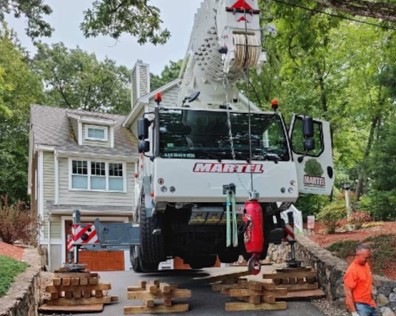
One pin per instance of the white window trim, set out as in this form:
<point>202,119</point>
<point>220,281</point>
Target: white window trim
<point>104,128</point>
<point>124,175</point>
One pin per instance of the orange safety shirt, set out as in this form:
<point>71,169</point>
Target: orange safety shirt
<point>359,279</point>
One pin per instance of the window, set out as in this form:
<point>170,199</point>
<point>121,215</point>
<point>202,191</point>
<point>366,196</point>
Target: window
<point>93,132</point>
<point>116,179</point>
<point>97,176</point>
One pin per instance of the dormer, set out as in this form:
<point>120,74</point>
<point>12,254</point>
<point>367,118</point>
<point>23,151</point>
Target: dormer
<point>92,130</point>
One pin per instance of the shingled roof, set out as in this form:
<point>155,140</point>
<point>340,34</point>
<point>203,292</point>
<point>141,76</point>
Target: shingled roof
<point>52,126</point>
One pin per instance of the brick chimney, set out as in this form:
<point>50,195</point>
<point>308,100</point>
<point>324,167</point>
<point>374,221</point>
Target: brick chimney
<point>140,81</point>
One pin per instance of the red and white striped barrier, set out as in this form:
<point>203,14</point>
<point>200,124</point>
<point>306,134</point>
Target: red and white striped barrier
<point>82,235</point>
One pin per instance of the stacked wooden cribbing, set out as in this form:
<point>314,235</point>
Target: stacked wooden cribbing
<point>255,295</point>
<point>157,297</point>
<point>76,292</point>
<point>301,283</point>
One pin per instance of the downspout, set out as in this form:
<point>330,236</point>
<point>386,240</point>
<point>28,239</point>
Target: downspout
<point>49,240</point>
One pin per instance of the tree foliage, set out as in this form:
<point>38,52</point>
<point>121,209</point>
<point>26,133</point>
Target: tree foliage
<point>19,87</point>
<point>106,17</point>
<point>170,72</point>
<point>75,79</point>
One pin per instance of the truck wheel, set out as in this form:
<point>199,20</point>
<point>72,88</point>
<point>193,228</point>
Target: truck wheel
<point>138,265</point>
<point>151,246</point>
<point>135,259</point>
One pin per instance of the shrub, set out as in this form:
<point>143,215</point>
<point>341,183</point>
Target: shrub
<point>383,250</point>
<point>18,223</point>
<point>9,268</point>
<point>358,218</point>
<point>331,214</point>
<point>343,249</point>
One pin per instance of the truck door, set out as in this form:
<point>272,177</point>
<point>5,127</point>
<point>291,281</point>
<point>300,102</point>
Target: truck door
<point>315,170</point>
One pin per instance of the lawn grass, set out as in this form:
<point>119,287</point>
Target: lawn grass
<point>9,269</point>
<point>383,250</point>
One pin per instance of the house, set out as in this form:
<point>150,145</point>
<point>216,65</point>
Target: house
<point>87,161</point>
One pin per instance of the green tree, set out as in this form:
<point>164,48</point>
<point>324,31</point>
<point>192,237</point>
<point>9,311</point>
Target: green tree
<point>170,72</point>
<point>19,87</point>
<point>75,79</point>
<point>105,17</point>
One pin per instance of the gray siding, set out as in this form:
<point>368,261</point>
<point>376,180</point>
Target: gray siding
<point>109,199</point>
<point>96,142</point>
<point>48,187</point>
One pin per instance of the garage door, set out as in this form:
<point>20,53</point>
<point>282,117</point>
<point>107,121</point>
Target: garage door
<point>103,260</point>
<point>98,260</point>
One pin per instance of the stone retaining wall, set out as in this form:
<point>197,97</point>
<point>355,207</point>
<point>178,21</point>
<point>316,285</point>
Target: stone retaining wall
<point>331,270</point>
<point>23,296</point>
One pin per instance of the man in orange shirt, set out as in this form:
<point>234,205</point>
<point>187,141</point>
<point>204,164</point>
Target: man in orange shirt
<point>358,282</point>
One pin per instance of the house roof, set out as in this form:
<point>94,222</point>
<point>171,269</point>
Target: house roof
<point>53,127</point>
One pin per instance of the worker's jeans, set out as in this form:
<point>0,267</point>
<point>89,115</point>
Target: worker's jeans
<point>366,310</point>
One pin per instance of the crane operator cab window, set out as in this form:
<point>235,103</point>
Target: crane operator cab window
<point>197,134</point>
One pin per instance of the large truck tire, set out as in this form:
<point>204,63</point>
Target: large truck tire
<point>151,246</point>
<point>138,265</point>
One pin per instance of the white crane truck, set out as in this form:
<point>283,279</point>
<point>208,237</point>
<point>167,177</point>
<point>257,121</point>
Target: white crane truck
<point>203,158</point>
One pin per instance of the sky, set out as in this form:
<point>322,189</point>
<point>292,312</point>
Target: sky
<point>177,17</point>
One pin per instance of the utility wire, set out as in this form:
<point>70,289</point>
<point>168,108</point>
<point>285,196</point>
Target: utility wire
<point>335,15</point>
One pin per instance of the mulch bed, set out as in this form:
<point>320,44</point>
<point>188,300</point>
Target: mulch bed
<point>11,251</point>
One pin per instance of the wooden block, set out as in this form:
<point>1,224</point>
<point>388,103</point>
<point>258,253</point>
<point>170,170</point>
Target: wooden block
<point>72,275</point>
<point>243,292</point>
<point>305,294</point>
<point>113,299</point>
<point>300,281</point>
<point>80,301</point>
<point>56,281</point>
<point>101,286</point>
<point>176,308</point>
<point>167,301</point>
<point>143,295</point>
<point>277,281</point>
<point>71,309</point>
<point>295,274</point>
<point>68,294</point>
<point>298,287</point>
<point>237,306</point>
<point>93,280</point>
<point>255,286</point>
<point>268,298</point>
<point>66,281</point>
<point>86,293</point>
<point>311,280</point>
<point>285,281</point>
<point>98,293</point>
<point>165,288</point>
<point>84,281</point>
<point>152,288</point>
<point>149,303</point>
<point>223,277</point>
<point>255,299</point>
<point>292,281</point>
<point>77,294</point>
<point>75,281</point>
<point>54,295</point>
<point>279,291</point>
<point>294,269</point>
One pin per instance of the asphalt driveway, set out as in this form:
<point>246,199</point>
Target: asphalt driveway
<point>203,301</point>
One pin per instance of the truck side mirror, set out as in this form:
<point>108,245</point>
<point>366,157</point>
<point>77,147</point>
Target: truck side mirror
<point>144,146</point>
<point>143,128</point>
<point>308,128</point>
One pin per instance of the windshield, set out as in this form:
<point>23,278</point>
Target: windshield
<point>206,135</point>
